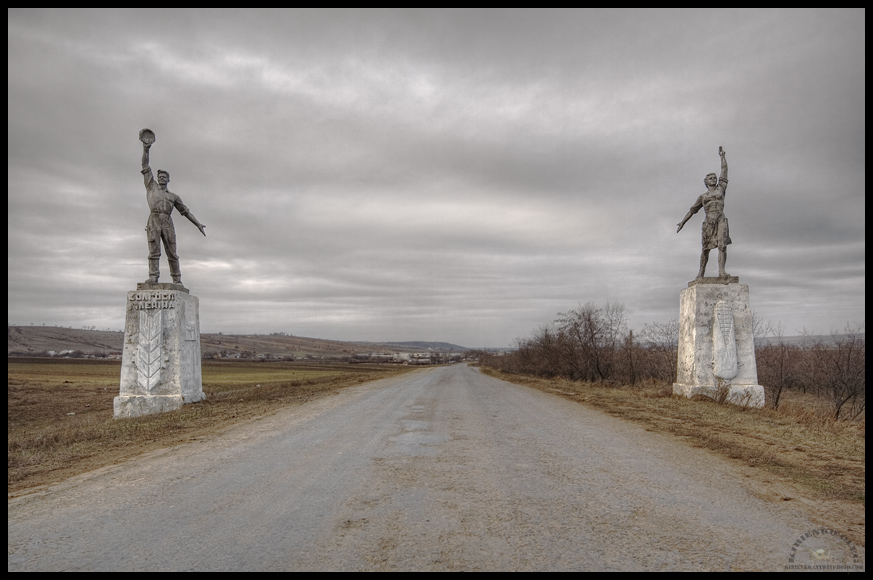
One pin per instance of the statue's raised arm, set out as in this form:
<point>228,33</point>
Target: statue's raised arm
<point>162,201</point>
<point>715,233</point>
<point>148,138</point>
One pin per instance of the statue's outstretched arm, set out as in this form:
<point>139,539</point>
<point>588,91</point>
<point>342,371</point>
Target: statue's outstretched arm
<point>682,223</point>
<point>723,163</point>
<point>694,209</point>
<point>194,221</point>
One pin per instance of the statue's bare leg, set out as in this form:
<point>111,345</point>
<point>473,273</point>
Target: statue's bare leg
<point>704,258</point>
<point>722,260</point>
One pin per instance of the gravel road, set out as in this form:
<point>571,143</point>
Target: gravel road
<point>443,469</point>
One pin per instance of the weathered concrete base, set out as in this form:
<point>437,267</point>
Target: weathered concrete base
<point>715,280</point>
<point>160,367</point>
<point>742,395</point>
<point>134,406</point>
<point>716,346</point>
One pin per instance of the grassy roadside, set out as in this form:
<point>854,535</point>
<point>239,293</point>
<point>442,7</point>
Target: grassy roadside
<point>59,413</point>
<point>797,441</point>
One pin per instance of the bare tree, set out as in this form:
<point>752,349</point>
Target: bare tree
<point>662,344</point>
<point>778,366</point>
<point>630,352</point>
<point>760,327</point>
<point>837,370</point>
<point>594,339</point>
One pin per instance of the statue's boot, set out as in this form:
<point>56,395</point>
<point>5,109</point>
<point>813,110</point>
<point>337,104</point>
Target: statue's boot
<point>154,272</point>
<point>175,272</point>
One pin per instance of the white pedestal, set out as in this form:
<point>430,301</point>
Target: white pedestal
<point>160,365</point>
<point>716,346</point>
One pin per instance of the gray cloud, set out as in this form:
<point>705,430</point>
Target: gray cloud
<point>444,175</point>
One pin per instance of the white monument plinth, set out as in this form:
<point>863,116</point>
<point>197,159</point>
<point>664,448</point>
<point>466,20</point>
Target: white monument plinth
<point>160,365</point>
<point>716,346</point>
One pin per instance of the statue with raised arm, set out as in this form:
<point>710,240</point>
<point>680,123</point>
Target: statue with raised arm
<point>160,225</point>
<point>715,232</point>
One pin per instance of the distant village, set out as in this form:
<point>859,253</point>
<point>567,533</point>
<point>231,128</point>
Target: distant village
<point>405,358</point>
<point>90,343</point>
<point>402,358</point>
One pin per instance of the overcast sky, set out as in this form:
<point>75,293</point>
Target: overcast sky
<point>459,176</point>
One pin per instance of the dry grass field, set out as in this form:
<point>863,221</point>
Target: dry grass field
<point>59,411</point>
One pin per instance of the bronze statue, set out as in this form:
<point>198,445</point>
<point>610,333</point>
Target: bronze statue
<point>715,232</point>
<point>160,225</point>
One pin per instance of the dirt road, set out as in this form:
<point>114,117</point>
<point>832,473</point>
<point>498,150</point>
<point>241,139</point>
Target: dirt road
<point>445,469</point>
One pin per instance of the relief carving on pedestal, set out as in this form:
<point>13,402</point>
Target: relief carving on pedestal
<point>724,351</point>
<point>149,349</point>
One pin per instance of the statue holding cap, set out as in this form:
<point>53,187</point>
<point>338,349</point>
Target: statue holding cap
<point>159,228</point>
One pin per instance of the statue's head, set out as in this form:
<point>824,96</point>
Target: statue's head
<point>163,177</point>
<point>711,180</point>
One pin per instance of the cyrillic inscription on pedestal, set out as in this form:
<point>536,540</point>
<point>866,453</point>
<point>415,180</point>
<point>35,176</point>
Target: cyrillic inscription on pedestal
<point>160,368</point>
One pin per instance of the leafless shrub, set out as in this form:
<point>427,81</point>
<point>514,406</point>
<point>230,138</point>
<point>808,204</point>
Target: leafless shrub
<point>630,349</point>
<point>722,390</point>
<point>593,344</point>
<point>836,370</point>
<point>778,366</point>
<point>593,340</point>
<point>661,343</point>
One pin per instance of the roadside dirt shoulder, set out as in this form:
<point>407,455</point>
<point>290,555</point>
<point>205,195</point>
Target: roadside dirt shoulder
<point>104,442</point>
<point>783,461</point>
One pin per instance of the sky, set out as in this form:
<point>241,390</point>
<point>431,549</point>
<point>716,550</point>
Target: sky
<point>440,175</point>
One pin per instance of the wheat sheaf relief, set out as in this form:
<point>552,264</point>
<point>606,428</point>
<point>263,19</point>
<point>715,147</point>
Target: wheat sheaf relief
<point>724,342</point>
<point>148,354</point>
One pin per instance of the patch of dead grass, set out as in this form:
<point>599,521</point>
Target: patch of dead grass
<point>60,415</point>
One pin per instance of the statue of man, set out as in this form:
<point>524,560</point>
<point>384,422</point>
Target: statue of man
<point>715,232</point>
<point>160,225</point>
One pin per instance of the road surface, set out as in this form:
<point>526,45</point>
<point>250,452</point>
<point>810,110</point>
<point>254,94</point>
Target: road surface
<point>444,469</point>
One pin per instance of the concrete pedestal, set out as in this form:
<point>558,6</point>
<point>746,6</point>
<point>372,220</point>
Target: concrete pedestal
<point>716,346</point>
<point>160,365</point>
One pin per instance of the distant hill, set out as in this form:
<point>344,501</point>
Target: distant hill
<point>42,340</point>
<point>439,346</point>
<point>38,340</point>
